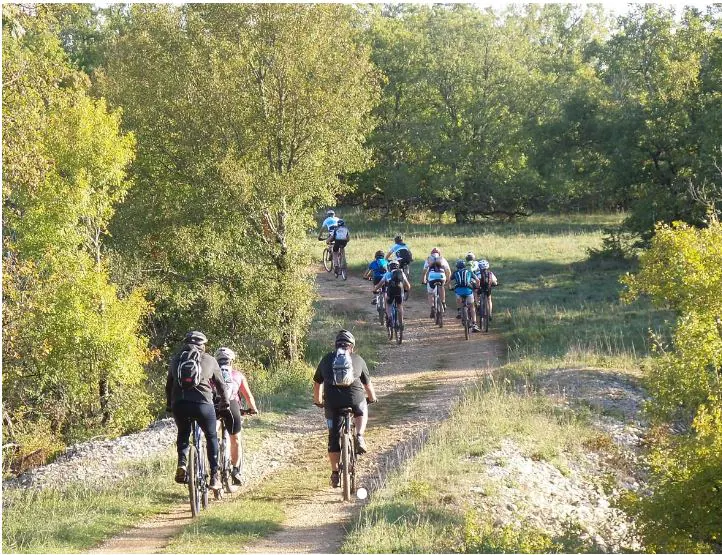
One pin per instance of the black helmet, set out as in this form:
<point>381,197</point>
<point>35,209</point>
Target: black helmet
<point>399,239</point>
<point>345,336</point>
<point>379,254</point>
<point>460,264</point>
<point>340,223</point>
<point>195,338</point>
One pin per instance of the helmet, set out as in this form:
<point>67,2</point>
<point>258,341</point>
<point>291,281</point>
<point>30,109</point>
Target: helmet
<point>484,264</point>
<point>345,336</point>
<point>435,258</point>
<point>340,223</point>
<point>436,250</point>
<point>470,256</point>
<point>379,254</point>
<point>330,212</point>
<point>224,353</point>
<point>195,338</point>
<point>399,239</point>
<point>393,264</point>
<point>460,264</point>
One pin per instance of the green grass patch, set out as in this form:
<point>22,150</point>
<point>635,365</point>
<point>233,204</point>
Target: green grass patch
<point>226,527</point>
<point>76,519</point>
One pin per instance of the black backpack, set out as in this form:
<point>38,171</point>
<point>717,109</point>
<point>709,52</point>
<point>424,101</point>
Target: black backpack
<point>397,278</point>
<point>188,371</point>
<point>404,254</point>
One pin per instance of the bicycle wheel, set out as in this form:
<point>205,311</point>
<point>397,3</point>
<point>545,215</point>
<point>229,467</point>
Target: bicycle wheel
<point>327,259</point>
<point>242,453</point>
<point>224,463</point>
<point>465,320</point>
<point>345,464</point>
<point>484,313</point>
<point>193,489</point>
<point>439,310</point>
<point>391,322</point>
<point>204,472</point>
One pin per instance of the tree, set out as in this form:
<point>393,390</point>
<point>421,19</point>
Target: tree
<point>73,357</point>
<point>245,116</point>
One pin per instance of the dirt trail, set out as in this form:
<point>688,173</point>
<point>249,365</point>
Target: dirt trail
<point>440,358</point>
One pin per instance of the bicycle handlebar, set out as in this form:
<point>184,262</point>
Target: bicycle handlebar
<point>369,401</point>
<point>245,412</point>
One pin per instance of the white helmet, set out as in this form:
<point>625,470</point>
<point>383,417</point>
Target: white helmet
<point>470,256</point>
<point>224,353</point>
<point>330,212</point>
<point>484,264</point>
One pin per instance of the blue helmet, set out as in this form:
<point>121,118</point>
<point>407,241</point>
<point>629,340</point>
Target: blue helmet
<point>340,223</point>
<point>460,264</point>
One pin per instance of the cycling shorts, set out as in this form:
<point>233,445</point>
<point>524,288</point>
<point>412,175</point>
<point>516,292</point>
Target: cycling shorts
<point>334,422</point>
<point>463,293</point>
<point>338,245</point>
<point>433,283</point>
<point>231,417</point>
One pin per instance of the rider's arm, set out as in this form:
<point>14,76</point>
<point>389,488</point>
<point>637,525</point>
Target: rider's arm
<point>247,395</point>
<point>317,393</point>
<point>492,278</point>
<point>380,284</point>
<point>407,285</point>
<point>370,392</point>
<point>169,387</point>
<point>424,274</point>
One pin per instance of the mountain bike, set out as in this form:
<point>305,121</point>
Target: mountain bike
<point>347,464</point>
<point>484,310</point>
<point>327,257</point>
<point>466,320</point>
<point>394,323</point>
<point>381,305</point>
<point>198,471</point>
<point>225,464</point>
<point>341,270</point>
<point>438,306</point>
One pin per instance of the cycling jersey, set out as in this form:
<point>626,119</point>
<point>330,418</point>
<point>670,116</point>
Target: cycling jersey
<point>341,233</point>
<point>379,267</point>
<point>462,282</point>
<point>330,223</point>
<point>395,248</point>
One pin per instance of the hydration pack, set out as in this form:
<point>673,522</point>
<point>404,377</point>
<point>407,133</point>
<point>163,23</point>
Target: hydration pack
<point>342,369</point>
<point>397,278</point>
<point>341,234</point>
<point>404,255</point>
<point>188,372</point>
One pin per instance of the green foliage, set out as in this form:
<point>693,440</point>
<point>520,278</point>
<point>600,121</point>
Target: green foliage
<point>683,269</point>
<point>72,354</point>
<point>242,133</point>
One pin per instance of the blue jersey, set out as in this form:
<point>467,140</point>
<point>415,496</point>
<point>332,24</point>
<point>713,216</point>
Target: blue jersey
<point>462,281</point>
<point>330,223</point>
<point>379,267</point>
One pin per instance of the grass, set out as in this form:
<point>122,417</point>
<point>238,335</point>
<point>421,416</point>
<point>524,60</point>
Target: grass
<point>555,308</point>
<point>72,520</point>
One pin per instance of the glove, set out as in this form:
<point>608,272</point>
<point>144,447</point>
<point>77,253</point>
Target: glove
<point>253,411</point>
<point>223,406</point>
<point>372,401</point>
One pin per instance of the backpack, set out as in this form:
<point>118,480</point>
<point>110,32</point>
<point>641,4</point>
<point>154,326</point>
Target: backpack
<point>397,278</point>
<point>341,234</point>
<point>404,254</point>
<point>342,369</point>
<point>188,371</point>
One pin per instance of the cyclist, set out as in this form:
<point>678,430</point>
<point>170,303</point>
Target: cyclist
<point>435,274</point>
<point>464,284</point>
<point>196,404</point>
<point>401,252</point>
<point>473,266</point>
<point>433,257</point>
<point>377,268</point>
<point>396,283</point>
<point>328,224</point>
<point>333,397</point>
<point>487,280</point>
<point>237,385</point>
<point>338,238</point>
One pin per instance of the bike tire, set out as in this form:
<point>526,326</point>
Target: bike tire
<point>382,316</point>
<point>484,314</point>
<point>224,463</point>
<point>465,321</point>
<point>193,486</point>
<point>399,336</point>
<point>344,274</point>
<point>327,259</point>
<point>204,474</point>
<point>345,466</point>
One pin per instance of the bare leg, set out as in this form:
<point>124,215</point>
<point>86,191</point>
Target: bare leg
<point>236,449</point>
<point>334,458</point>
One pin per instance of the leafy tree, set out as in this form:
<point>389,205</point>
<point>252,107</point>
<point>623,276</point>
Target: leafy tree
<point>245,116</point>
<point>72,356</point>
<point>683,270</point>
